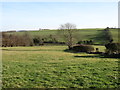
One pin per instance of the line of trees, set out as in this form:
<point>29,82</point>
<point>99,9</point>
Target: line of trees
<point>68,32</point>
<point>88,42</point>
<point>13,40</point>
<point>10,40</point>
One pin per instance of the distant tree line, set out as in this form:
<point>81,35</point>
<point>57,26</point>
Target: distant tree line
<point>12,40</point>
<point>67,33</point>
<point>88,42</point>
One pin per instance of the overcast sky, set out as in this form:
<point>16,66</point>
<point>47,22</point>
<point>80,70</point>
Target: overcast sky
<point>35,15</point>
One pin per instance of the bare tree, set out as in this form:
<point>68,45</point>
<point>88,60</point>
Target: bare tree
<point>10,40</point>
<point>68,32</point>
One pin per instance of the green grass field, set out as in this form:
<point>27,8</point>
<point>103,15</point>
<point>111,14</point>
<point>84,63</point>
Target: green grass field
<point>52,67</point>
<point>84,34</point>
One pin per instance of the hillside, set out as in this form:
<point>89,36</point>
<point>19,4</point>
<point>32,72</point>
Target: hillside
<point>83,34</point>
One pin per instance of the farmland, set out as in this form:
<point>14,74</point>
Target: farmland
<point>83,34</point>
<point>53,67</point>
<point>59,45</point>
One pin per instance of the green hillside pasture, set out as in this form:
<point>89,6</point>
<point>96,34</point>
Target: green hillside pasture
<point>83,34</point>
<point>51,66</point>
<point>115,34</point>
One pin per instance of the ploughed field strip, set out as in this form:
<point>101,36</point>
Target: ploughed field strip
<point>51,66</point>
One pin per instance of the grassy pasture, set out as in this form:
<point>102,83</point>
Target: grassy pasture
<point>115,34</point>
<point>84,34</point>
<point>51,66</point>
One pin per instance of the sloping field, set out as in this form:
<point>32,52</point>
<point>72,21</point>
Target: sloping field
<point>83,34</point>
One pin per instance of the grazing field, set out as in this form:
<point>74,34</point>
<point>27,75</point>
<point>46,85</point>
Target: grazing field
<point>115,34</point>
<point>84,34</point>
<point>52,67</point>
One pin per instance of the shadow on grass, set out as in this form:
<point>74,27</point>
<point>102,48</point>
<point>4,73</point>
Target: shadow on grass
<point>88,56</point>
<point>71,51</point>
<point>96,56</point>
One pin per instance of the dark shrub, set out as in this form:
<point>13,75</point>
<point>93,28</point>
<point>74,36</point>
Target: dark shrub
<point>79,42</point>
<point>97,49</point>
<point>37,40</point>
<point>61,42</point>
<point>88,42</point>
<point>83,48</point>
<point>91,41</point>
<point>112,48</point>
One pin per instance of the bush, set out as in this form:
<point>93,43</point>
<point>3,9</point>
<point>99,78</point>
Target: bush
<point>37,40</point>
<point>80,42</point>
<point>112,48</point>
<point>88,42</point>
<point>83,48</point>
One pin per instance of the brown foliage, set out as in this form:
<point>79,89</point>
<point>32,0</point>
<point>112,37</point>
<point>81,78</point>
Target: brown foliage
<point>16,40</point>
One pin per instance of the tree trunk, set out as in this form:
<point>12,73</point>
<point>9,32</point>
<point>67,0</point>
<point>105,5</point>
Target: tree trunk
<point>69,47</point>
